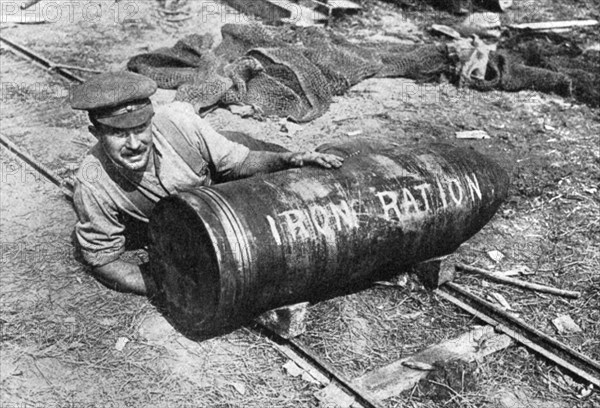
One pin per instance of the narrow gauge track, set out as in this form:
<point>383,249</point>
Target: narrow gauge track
<point>562,355</point>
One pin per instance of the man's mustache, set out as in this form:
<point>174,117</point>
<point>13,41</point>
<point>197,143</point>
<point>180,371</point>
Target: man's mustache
<point>128,153</point>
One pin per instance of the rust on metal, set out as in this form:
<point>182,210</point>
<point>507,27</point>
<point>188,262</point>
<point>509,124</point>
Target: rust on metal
<point>222,255</point>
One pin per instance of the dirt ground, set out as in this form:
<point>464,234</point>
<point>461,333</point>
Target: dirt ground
<point>67,341</point>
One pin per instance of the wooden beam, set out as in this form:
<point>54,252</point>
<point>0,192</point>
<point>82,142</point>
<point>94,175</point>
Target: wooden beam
<point>278,10</point>
<point>552,25</point>
<point>394,378</point>
<point>341,5</point>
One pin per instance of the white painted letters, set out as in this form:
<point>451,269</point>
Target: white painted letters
<point>404,204</point>
<point>453,194</point>
<point>391,204</point>
<point>295,222</point>
<point>474,187</point>
<point>422,188</point>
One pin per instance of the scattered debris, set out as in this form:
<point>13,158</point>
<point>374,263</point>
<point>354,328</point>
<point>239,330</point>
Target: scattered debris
<point>594,48</point>
<point>121,343</point>
<point>482,24</point>
<point>292,369</point>
<point>444,29</point>
<point>472,134</point>
<point>519,270</point>
<point>411,316</point>
<point>554,25</point>
<point>495,256</point>
<point>475,67</point>
<point>288,127</point>
<point>586,392</point>
<point>308,369</point>
<point>239,387</point>
<point>333,396</point>
<point>243,111</point>
<point>501,300</point>
<point>565,324</point>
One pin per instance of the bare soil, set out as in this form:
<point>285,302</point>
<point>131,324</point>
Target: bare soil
<point>67,341</point>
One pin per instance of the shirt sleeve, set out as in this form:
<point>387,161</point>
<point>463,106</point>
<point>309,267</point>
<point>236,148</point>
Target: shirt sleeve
<point>222,152</point>
<point>99,232</point>
<point>215,148</point>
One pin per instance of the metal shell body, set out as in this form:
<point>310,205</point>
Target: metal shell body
<point>221,255</point>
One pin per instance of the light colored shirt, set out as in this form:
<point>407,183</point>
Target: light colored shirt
<point>101,202</point>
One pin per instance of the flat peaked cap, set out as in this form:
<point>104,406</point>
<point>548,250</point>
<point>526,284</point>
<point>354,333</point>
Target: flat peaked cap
<point>117,99</point>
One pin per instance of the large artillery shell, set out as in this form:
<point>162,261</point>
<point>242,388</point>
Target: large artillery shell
<point>221,255</point>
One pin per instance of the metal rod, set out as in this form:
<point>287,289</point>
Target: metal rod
<point>516,282</point>
<point>522,332</point>
<point>65,186</point>
<point>49,65</point>
<point>361,395</point>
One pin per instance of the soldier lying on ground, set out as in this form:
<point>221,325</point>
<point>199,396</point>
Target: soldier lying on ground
<point>142,156</point>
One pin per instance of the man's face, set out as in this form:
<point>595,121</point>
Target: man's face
<point>129,148</point>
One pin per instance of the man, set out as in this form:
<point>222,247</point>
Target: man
<point>142,156</point>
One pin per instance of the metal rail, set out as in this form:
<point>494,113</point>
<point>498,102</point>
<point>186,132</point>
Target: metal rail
<point>38,59</point>
<point>65,186</point>
<point>557,352</point>
<point>361,395</point>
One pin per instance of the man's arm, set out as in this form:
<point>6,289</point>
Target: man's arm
<point>121,276</point>
<point>267,162</point>
<point>101,241</point>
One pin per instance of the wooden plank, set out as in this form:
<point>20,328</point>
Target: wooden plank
<point>551,25</point>
<point>277,10</point>
<point>264,9</point>
<point>394,378</point>
<point>335,5</point>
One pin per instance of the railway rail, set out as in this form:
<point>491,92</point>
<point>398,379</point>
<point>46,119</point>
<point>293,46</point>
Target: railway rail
<point>577,363</point>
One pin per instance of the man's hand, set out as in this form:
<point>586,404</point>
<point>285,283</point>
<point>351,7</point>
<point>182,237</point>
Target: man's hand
<point>259,162</point>
<point>314,158</point>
